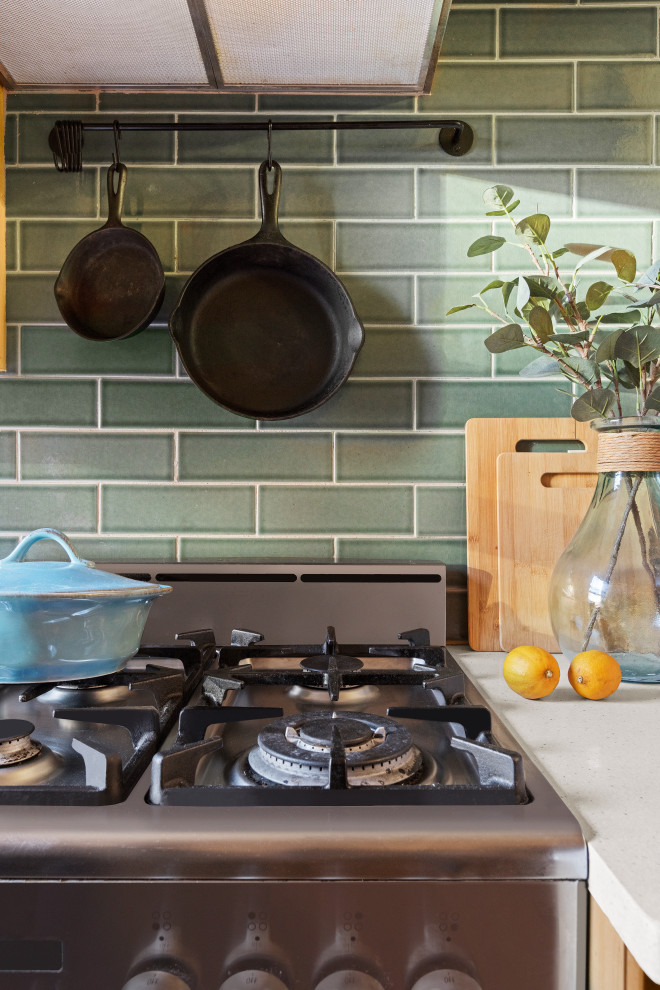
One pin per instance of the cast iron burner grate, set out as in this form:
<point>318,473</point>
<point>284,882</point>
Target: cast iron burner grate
<point>90,763</point>
<point>496,773</point>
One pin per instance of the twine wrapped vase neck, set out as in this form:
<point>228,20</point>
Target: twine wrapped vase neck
<point>628,451</point>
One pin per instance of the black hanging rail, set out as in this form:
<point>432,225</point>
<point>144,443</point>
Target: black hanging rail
<point>66,138</point>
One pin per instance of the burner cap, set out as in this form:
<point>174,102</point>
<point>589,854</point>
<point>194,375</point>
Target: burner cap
<point>320,732</point>
<point>14,728</point>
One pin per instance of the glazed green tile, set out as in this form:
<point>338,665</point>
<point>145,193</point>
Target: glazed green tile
<point>193,192</point>
<point>333,509</point>
<point>268,102</point>
<point>11,143</point>
<point>629,193</point>
<point>11,247</point>
<point>359,406</point>
<point>347,193</point>
<point>173,287</point>
<point>400,458</point>
<point>169,405</point>
<point>408,246</point>
<point>60,351</point>
<point>439,293</point>
<point>7,544</point>
<point>450,552</point>
<point>177,509</point>
<point>198,240</point>
<point>411,352</point>
<point>250,147</point>
<point>441,511</point>
<point>66,507</point>
<point>469,33</point>
<point>102,548</point>
<point>381,298</point>
<point>176,102</point>
<point>60,103</point>
<point>39,402</point>
<point>255,548</point>
<point>511,362</point>
<point>30,299</point>
<point>255,457</point>
<point>618,85</point>
<point>7,454</point>
<point>96,457</point>
<point>450,404</point>
<point>412,147</point>
<point>578,32</point>
<point>12,351</point>
<point>574,140</point>
<point>45,192</point>
<point>496,87</point>
<point>45,244</point>
<point>98,146</point>
<point>635,236</point>
<point>445,193</point>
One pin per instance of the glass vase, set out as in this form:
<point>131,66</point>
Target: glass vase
<point>605,588</point>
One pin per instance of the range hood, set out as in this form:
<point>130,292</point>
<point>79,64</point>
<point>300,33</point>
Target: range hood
<point>276,46</point>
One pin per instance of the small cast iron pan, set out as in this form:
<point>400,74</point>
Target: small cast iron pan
<point>263,328</point>
<point>112,283</point>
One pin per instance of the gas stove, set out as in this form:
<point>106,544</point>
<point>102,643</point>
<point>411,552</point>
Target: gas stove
<point>303,793</point>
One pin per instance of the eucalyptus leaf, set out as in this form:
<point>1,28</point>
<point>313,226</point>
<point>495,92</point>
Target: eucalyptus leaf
<point>458,309</point>
<point>570,338</point>
<point>589,252</point>
<point>632,375</point>
<point>585,368</point>
<point>539,287</point>
<point>497,197</point>
<point>583,310</point>
<point>630,316</point>
<point>625,264</point>
<point>522,294</point>
<point>497,284</point>
<point>541,322</point>
<point>605,350</point>
<point>503,213</point>
<point>638,345</point>
<point>560,252</point>
<point>485,245</point>
<point>541,367</point>
<point>597,294</point>
<point>534,228</point>
<point>653,301</point>
<point>507,289</point>
<point>593,404</point>
<point>653,401</point>
<point>650,276</point>
<point>506,338</point>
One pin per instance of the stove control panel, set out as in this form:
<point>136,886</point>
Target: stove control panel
<point>349,979</point>
<point>155,979</point>
<point>253,979</point>
<point>446,979</point>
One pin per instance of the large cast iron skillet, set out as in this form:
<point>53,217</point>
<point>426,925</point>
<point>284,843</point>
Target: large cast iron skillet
<point>112,283</point>
<point>263,328</point>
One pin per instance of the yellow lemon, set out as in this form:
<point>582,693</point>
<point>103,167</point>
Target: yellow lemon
<point>594,674</point>
<point>531,671</point>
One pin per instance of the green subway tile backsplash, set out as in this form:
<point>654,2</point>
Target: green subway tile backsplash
<point>118,447</point>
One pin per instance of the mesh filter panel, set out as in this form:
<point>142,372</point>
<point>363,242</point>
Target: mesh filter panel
<point>93,42</point>
<point>322,42</point>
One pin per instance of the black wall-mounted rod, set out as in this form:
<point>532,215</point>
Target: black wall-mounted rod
<point>66,138</point>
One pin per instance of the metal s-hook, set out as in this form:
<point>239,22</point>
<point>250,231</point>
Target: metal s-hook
<point>270,149</point>
<point>116,160</point>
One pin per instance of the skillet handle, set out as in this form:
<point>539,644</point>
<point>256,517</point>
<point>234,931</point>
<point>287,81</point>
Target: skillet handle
<point>116,199</point>
<point>270,202</point>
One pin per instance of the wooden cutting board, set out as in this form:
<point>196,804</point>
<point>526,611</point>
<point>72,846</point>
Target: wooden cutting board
<point>485,440</point>
<point>541,501</point>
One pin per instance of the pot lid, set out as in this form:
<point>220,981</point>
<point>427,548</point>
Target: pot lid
<point>72,578</point>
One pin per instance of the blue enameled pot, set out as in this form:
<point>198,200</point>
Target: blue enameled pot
<point>65,620</point>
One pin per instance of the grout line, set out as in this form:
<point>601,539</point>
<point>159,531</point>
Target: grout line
<point>18,454</point>
<point>99,418</point>
<point>175,457</point>
<point>99,507</point>
<point>257,500</point>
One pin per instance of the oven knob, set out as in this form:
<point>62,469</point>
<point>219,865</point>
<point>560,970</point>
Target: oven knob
<point>446,979</point>
<point>253,979</point>
<point>156,979</point>
<point>349,979</point>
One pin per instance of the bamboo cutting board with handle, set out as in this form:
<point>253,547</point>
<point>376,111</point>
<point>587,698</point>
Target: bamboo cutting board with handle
<point>485,440</point>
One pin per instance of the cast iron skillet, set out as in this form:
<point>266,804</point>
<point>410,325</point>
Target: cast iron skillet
<point>112,283</point>
<point>263,328</point>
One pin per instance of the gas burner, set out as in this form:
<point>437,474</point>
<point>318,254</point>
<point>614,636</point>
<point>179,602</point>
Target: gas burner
<point>87,694</point>
<point>16,746</point>
<point>299,750</point>
<point>349,695</point>
<point>23,760</point>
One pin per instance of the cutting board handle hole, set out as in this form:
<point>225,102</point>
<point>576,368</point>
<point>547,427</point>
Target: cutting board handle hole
<point>548,446</point>
<point>586,479</point>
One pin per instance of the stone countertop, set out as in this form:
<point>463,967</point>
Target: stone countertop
<point>603,758</point>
